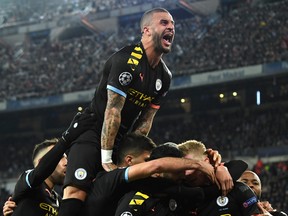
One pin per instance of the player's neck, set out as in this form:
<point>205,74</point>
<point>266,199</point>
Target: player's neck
<point>152,56</point>
<point>49,183</point>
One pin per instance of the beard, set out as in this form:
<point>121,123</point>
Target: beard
<point>57,178</point>
<point>158,47</point>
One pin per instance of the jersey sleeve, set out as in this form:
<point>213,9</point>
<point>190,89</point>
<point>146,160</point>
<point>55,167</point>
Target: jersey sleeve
<point>120,74</point>
<point>35,177</point>
<point>278,213</point>
<point>236,168</point>
<point>246,198</point>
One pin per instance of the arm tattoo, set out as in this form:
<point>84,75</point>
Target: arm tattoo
<point>145,121</point>
<point>112,119</point>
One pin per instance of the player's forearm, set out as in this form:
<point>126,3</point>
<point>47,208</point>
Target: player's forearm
<point>110,128</point>
<point>176,164</point>
<point>112,119</point>
<point>161,165</point>
<point>145,121</point>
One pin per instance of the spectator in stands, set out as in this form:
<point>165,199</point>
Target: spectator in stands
<point>237,40</point>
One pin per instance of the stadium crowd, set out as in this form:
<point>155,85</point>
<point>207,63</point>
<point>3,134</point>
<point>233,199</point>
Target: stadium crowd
<point>248,36</point>
<point>233,41</point>
<point>244,136</point>
<point>34,11</point>
<point>248,133</point>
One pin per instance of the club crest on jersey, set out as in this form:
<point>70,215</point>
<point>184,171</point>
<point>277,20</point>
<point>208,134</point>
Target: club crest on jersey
<point>125,78</point>
<point>172,204</point>
<point>158,84</point>
<point>126,213</point>
<point>222,201</point>
<point>80,174</point>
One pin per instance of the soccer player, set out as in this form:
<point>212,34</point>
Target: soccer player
<point>33,193</point>
<point>134,81</point>
<point>149,201</point>
<point>253,181</point>
<point>239,201</point>
<point>109,187</point>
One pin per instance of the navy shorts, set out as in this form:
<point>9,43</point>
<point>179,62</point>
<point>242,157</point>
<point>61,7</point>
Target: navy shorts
<point>84,161</point>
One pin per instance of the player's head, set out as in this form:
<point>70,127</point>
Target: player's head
<point>157,27</point>
<point>58,175</point>
<point>253,181</point>
<point>193,149</point>
<point>134,148</point>
<point>147,17</point>
<point>41,149</point>
<point>168,149</point>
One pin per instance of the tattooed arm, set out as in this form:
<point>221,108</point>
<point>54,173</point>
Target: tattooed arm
<point>111,124</point>
<point>145,121</point>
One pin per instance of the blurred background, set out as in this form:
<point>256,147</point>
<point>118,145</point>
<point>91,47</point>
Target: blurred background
<point>229,88</point>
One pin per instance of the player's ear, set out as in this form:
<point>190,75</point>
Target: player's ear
<point>156,175</point>
<point>146,30</point>
<point>207,159</point>
<point>128,160</point>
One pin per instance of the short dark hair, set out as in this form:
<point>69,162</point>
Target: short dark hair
<point>148,14</point>
<point>41,146</point>
<point>168,149</point>
<point>134,144</point>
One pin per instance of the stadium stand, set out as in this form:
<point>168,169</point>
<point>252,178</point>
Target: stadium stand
<point>234,41</point>
<point>246,36</point>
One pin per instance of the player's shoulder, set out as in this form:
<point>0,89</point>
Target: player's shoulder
<point>129,49</point>
<point>166,69</point>
<point>241,187</point>
<point>244,194</point>
<point>130,55</point>
<point>112,175</point>
<point>25,173</point>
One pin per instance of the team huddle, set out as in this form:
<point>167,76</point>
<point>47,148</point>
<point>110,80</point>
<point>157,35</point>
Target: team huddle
<point>114,168</point>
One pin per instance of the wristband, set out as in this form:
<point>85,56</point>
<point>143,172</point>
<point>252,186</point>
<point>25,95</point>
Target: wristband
<point>106,156</point>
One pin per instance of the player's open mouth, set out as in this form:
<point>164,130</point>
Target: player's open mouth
<point>168,38</point>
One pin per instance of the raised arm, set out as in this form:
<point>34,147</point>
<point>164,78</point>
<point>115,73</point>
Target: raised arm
<point>33,178</point>
<point>111,124</point>
<point>169,164</point>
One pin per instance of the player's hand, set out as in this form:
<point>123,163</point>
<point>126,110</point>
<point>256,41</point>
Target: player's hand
<point>208,169</point>
<point>267,206</point>
<point>214,157</point>
<point>9,207</point>
<point>80,123</point>
<point>225,180</point>
<point>263,210</point>
<point>109,166</point>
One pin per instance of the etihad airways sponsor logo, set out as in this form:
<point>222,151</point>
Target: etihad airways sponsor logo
<point>51,211</point>
<point>139,98</point>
